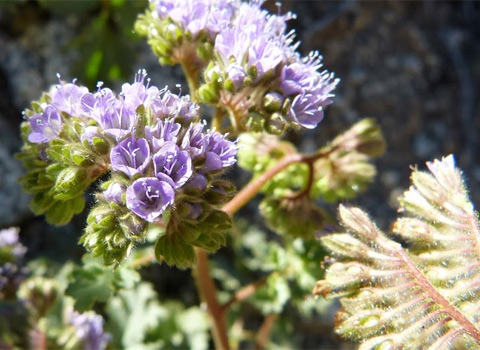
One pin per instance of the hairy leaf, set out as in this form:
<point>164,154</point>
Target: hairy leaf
<point>423,294</point>
<point>93,282</point>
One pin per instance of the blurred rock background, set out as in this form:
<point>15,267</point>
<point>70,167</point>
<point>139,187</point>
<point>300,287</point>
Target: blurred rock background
<point>414,66</point>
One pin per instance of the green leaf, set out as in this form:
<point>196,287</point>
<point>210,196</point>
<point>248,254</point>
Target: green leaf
<point>90,284</point>
<point>61,212</point>
<point>273,296</point>
<point>294,216</point>
<point>131,314</point>
<point>423,297</point>
<point>174,251</point>
<point>211,242</point>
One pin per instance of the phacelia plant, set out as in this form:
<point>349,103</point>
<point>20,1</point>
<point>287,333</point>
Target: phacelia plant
<point>162,168</point>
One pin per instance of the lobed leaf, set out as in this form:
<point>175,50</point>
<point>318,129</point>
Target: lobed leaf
<point>422,295</point>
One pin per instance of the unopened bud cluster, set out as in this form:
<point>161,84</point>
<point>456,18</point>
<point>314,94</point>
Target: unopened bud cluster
<point>251,67</point>
<point>160,155</point>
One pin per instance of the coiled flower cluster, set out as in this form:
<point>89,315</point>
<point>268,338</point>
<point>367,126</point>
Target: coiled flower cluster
<point>160,155</point>
<point>251,68</point>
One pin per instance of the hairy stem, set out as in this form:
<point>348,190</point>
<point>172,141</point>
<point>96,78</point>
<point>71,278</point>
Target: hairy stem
<point>208,291</point>
<point>430,290</point>
<point>191,74</point>
<point>254,186</point>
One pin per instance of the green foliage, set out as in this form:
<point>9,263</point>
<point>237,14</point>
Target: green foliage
<point>176,246</point>
<point>94,283</point>
<point>111,232</point>
<point>60,171</point>
<point>347,169</point>
<point>105,45</point>
<point>259,152</point>
<point>293,215</point>
<point>139,321</point>
<point>283,274</point>
<point>338,170</point>
<point>421,293</point>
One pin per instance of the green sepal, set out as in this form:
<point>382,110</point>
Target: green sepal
<point>41,202</point>
<point>61,212</point>
<point>216,221</point>
<point>296,217</point>
<point>109,233</point>
<point>255,121</point>
<point>229,85</point>
<point>174,251</point>
<point>208,93</point>
<point>219,192</point>
<point>211,241</point>
<point>205,51</point>
<point>100,145</point>
<point>70,183</point>
<point>80,156</point>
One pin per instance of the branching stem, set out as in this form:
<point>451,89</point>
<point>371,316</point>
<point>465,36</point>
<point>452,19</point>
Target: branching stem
<point>254,186</point>
<point>207,289</point>
<point>244,292</point>
<point>264,331</point>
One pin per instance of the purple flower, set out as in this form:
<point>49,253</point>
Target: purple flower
<point>89,329</point>
<point>68,98</point>
<point>148,197</point>
<point>45,126</point>
<point>119,120</point>
<point>116,117</point>
<point>197,182</point>
<point>139,93</point>
<point>163,131</point>
<point>255,38</point>
<point>9,239</point>
<point>309,89</point>
<point>265,56</point>
<point>114,193</point>
<point>89,133</point>
<point>172,165</point>
<point>98,104</point>
<point>236,73</point>
<point>197,15</point>
<point>195,210</point>
<point>233,43</point>
<point>173,106</point>
<point>9,236</point>
<point>131,156</point>
<point>194,139</point>
<point>219,152</point>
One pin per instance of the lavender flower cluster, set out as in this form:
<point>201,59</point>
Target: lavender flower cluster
<point>157,144</point>
<point>11,252</point>
<point>255,65</point>
<point>88,329</point>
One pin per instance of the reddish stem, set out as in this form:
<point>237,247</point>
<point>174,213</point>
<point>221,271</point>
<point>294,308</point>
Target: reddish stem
<point>207,290</point>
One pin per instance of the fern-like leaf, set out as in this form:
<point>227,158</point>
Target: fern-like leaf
<point>423,293</point>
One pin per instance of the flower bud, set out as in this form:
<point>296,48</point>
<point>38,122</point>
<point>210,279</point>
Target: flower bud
<point>275,124</point>
<point>272,101</point>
